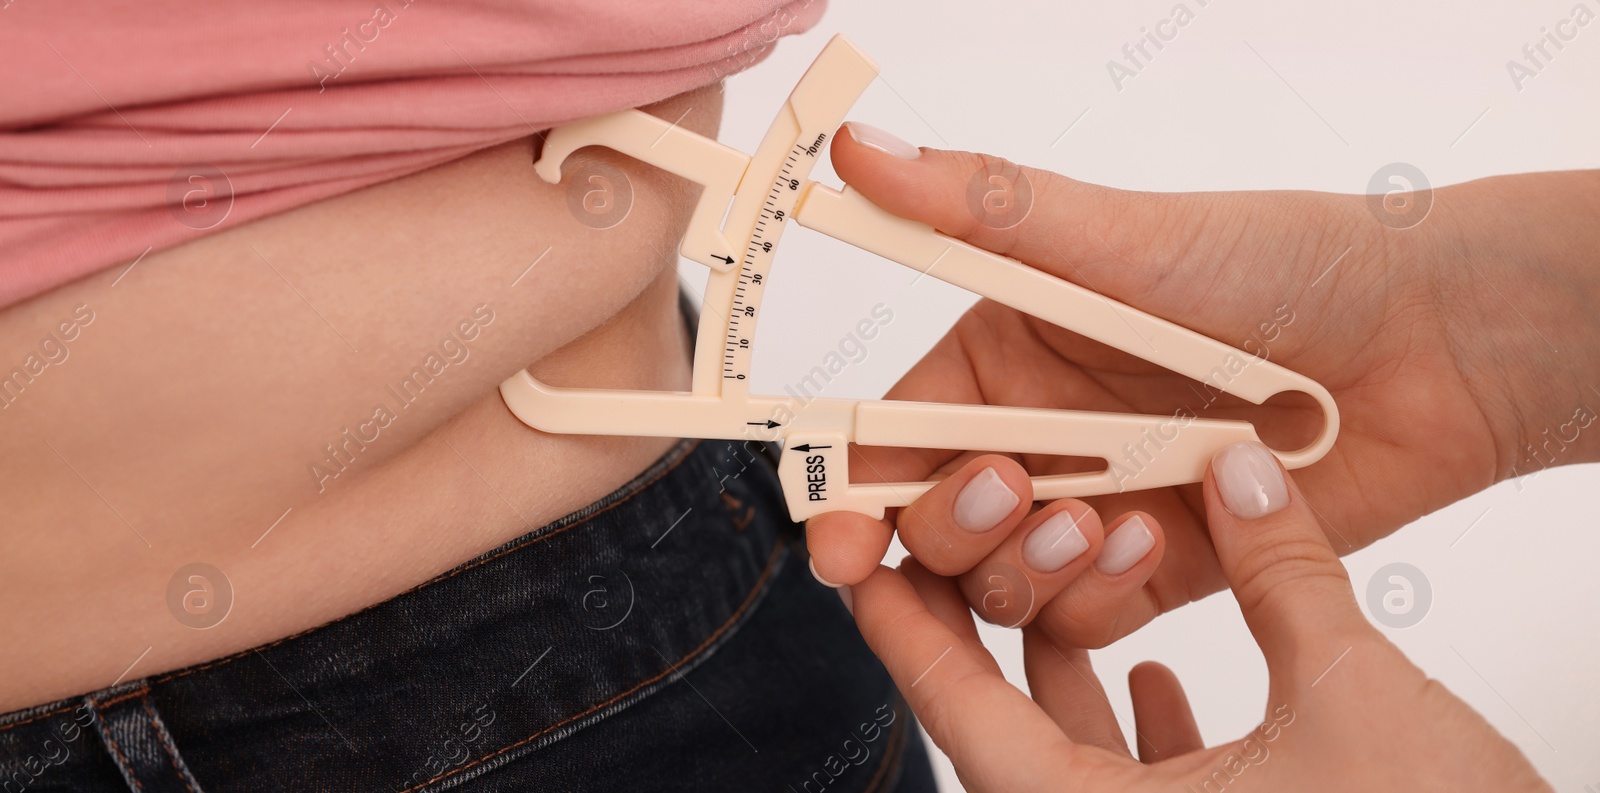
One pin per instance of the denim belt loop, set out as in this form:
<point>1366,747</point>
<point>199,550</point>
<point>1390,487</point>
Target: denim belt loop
<point>138,742</point>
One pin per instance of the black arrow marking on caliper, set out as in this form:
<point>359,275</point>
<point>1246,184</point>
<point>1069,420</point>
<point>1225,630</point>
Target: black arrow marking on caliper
<point>769,423</point>
<point>806,447</point>
<point>725,259</point>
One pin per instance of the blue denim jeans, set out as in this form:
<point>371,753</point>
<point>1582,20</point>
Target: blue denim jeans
<point>666,637</point>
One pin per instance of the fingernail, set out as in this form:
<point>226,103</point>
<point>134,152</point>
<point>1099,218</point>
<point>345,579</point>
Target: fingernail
<point>984,502</point>
<point>823,581</point>
<point>1249,480</point>
<point>874,138</point>
<point>1125,547</point>
<point>1056,542</point>
<point>844,594</point>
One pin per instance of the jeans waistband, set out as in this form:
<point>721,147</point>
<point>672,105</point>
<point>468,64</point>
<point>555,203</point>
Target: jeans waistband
<point>505,654</point>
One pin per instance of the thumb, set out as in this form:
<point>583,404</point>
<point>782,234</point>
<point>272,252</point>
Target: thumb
<point>1292,589</point>
<point>1071,229</point>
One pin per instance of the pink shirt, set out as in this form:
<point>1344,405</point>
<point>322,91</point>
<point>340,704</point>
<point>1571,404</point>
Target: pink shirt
<point>132,127</point>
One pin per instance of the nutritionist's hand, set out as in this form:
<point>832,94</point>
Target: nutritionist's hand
<point>1460,349</point>
<point>1345,709</point>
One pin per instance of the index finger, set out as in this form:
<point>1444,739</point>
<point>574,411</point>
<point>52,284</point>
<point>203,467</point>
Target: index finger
<point>1050,221</point>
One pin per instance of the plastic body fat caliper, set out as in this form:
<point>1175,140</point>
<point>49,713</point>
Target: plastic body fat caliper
<point>771,188</point>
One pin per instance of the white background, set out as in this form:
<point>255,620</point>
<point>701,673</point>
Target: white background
<point>1513,627</point>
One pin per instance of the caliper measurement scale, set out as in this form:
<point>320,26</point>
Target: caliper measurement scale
<point>757,264</point>
<point>773,187</point>
<point>769,188</point>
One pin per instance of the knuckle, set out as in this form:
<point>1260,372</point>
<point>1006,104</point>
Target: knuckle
<point>1169,593</point>
<point>967,167</point>
<point>1274,572</point>
<point>1073,621</point>
<point>943,710</point>
<point>1000,595</point>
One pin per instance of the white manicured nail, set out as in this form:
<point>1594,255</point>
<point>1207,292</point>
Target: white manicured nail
<point>1056,542</point>
<point>984,502</point>
<point>1249,480</point>
<point>1125,547</point>
<point>874,138</point>
<point>823,581</point>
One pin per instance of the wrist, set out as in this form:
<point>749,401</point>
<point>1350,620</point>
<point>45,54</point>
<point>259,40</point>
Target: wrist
<point>1518,271</point>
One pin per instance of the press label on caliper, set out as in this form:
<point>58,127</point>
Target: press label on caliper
<point>813,473</point>
<point>816,477</point>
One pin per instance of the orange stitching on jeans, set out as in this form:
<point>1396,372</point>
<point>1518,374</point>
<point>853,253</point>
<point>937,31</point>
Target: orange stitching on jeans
<point>124,697</point>
<point>166,744</point>
<point>170,676</point>
<point>47,714</point>
<point>766,573</point>
<point>105,732</point>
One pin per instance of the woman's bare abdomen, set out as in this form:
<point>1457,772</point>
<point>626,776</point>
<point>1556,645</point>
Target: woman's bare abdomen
<point>302,411</point>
